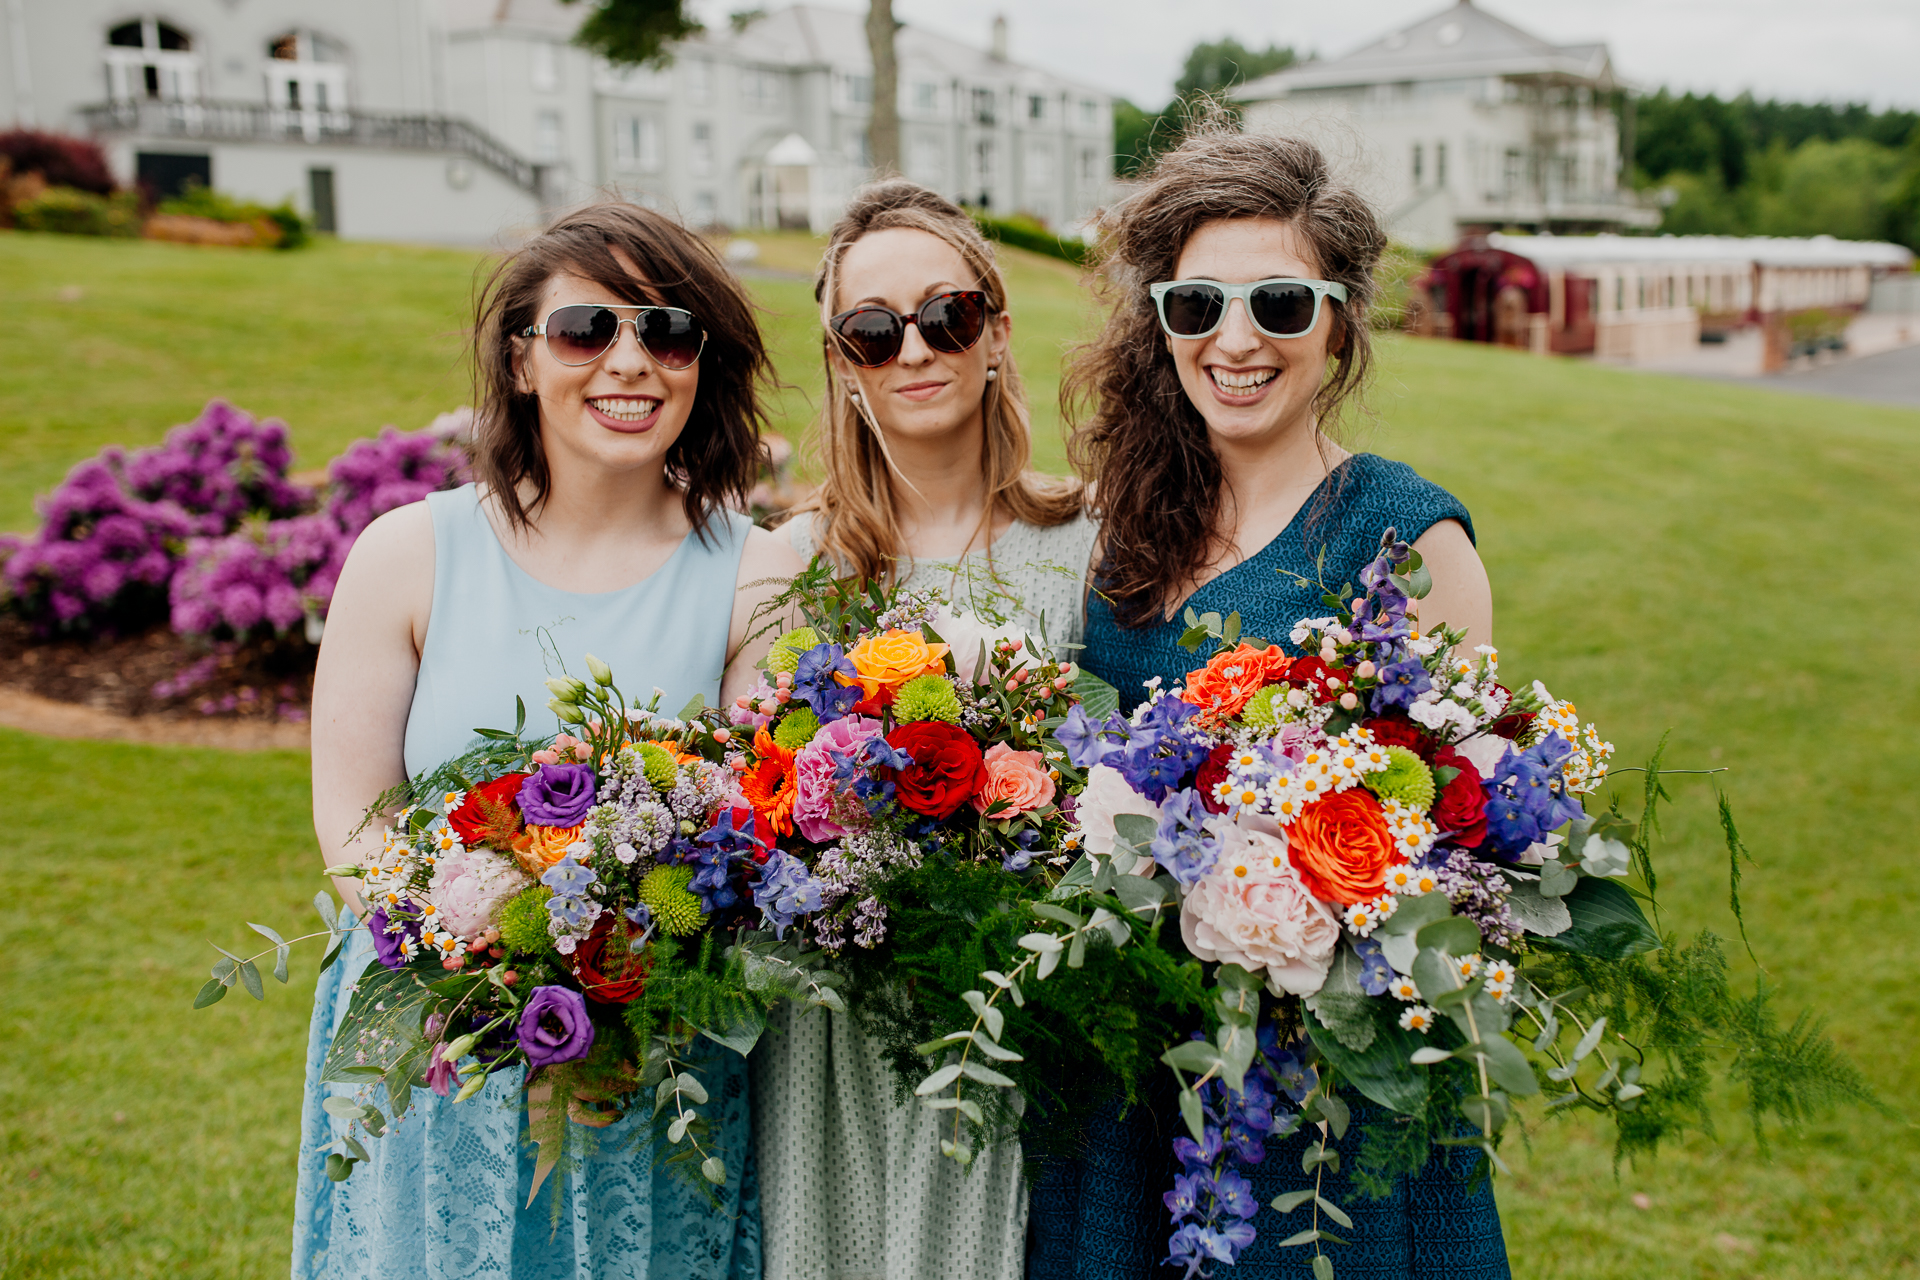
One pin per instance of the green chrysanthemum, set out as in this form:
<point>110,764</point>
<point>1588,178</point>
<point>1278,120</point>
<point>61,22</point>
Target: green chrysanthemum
<point>675,907</point>
<point>1406,779</point>
<point>657,763</point>
<point>786,651</point>
<point>1260,713</point>
<point>523,921</point>
<point>928,697</point>
<point>798,728</point>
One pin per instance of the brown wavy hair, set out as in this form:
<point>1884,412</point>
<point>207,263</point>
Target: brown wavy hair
<point>1143,448</point>
<point>855,523</point>
<point>718,454</point>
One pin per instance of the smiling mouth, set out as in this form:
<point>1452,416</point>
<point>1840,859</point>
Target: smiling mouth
<point>623,409</point>
<point>1241,382</point>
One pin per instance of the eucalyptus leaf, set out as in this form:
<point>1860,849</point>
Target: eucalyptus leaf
<point>1456,935</point>
<point>995,1051</point>
<point>994,1020</point>
<point>1292,1200</point>
<point>323,903</point>
<point>345,1108</point>
<point>1508,1067</point>
<point>1059,913</point>
<point>1334,1211</point>
<point>1341,1005</point>
<point>714,1170</point>
<point>1322,1267</point>
<point>1077,950</point>
<point>1413,914</point>
<point>1197,1056</point>
<point>1335,1113</point>
<point>1557,879</point>
<point>267,933</point>
<point>1534,911</point>
<point>1190,1111</point>
<point>1427,1055</point>
<point>985,1075</point>
<point>689,1086</point>
<point>213,992</point>
<point>938,1080</point>
<point>280,962</point>
<point>338,1167</point>
<point>1591,1040</point>
<point>250,979</point>
<point>1304,1237</point>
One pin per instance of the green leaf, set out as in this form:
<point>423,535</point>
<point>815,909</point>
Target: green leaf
<point>338,1167</point>
<point>1077,950</point>
<point>1190,1111</point>
<point>1335,1113</point>
<point>1414,914</point>
<point>1334,1211</point>
<point>250,979</point>
<point>1197,1056</point>
<point>345,1108</point>
<point>1535,912</point>
<point>994,1050</point>
<point>1427,1055</point>
<point>354,1148</point>
<point>1322,1267</point>
<point>938,1080</point>
<point>688,1086</point>
<point>329,914</point>
<point>1484,1113</point>
<point>280,954</point>
<point>519,715</point>
<point>1137,831</point>
<point>1143,897</point>
<point>743,1033</point>
<point>1508,1067</point>
<point>212,993</point>
<point>1557,879</point>
<point>1607,922</point>
<point>994,1020</point>
<point>985,1075</point>
<point>1192,637</point>
<point>1591,1040</point>
<point>333,952</point>
<point>1456,935</point>
<point>695,705</point>
<point>1292,1200</point>
<point>1383,1072</point>
<point>714,1170</point>
<point>266,933</point>
<point>1304,1237</point>
<point>1343,1008</point>
<point>1434,974</point>
<point>1098,698</point>
<point>1058,913</point>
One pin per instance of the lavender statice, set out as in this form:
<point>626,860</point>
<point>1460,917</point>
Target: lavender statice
<point>1477,891</point>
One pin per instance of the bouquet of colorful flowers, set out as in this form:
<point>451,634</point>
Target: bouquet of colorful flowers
<point>891,728</point>
<point>1382,857</point>
<point>581,905</point>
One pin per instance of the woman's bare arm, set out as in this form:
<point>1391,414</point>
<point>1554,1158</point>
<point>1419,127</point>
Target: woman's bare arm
<point>1461,596</point>
<point>766,556</point>
<point>363,686</point>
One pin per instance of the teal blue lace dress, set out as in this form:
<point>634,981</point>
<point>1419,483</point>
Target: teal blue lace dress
<point>1097,1214</point>
<point>444,1196</point>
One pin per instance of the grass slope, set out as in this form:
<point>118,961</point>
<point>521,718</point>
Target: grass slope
<point>1720,562</point>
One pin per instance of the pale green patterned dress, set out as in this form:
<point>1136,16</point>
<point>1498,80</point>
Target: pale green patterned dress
<point>853,1187</point>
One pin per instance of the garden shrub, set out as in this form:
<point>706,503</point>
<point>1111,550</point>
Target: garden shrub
<point>74,212</point>
<point>199,201</point>
<point>63,161</point>
<point>1024,232</point>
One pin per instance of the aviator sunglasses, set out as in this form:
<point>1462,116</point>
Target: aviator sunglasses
<point>871,335</point>
<point>1279,308</point>
<point>581,333</point>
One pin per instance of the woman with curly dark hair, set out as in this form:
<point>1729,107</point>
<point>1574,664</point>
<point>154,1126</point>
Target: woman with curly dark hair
<point>1239,278</point>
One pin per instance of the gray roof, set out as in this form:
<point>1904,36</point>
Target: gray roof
<point>1460,42</point>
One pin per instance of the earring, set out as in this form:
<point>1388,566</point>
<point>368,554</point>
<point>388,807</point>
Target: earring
<point>854,396</point>
<point>993,373</point>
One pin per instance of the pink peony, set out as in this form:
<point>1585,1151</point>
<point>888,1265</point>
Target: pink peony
<point>470,886</point>
<point>1017,777</point>
<point>822,809</point>
<point>1253,911</point>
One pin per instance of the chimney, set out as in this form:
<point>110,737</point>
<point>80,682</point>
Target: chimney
<point>999,37</point>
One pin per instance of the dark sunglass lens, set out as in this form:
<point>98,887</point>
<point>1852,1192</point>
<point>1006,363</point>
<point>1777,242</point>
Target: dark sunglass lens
<point>1192,309</point>
<point>1283,308</point>
<point>953,322</point>
<point>671,336</point>
<point>576,335</point>
<point>870,337</point>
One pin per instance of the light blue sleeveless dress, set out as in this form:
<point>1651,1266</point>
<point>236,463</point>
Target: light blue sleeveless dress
<point>444,1196</point>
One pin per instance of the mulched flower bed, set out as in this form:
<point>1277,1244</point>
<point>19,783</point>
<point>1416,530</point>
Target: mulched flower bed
<point>158,673</point>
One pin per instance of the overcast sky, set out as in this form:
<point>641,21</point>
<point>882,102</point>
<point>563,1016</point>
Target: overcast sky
<point>1808,50</point>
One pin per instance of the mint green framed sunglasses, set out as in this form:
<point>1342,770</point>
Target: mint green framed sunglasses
<point>1280,308</point>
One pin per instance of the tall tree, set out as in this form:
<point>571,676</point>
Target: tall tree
<point>883,126</point>
<point>632,32</point>
<point>1217,66</point>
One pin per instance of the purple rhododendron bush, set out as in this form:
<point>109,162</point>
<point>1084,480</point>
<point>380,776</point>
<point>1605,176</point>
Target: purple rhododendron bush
<point>207,535</point>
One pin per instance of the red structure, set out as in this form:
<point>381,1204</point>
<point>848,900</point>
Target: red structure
<point>1482,293</point>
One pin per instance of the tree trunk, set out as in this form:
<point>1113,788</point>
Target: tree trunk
<point>883,133</point>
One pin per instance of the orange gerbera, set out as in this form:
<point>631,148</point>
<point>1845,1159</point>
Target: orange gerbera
<point>1341,847</point>
<point>1226,684</point>
<point>770,785</point>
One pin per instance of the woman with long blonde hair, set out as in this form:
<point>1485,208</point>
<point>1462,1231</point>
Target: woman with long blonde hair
<point>926,450</point>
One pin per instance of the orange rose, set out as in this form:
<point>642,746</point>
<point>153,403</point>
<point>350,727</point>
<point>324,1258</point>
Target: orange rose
<point>1017,777</point>
<point>884,662</point>
<point>1226,684</point>
<point>771,786</point>
<point>538,847</point>
<point>1341,847</point>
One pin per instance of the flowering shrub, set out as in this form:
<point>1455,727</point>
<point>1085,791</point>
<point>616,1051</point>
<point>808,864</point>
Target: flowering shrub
<point>220,467</point>
<point>271,575</point>
<point>375,476</point>
<point>102,558</point>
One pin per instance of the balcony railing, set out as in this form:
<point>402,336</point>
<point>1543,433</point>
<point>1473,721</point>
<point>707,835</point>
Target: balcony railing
<point>259,122</point>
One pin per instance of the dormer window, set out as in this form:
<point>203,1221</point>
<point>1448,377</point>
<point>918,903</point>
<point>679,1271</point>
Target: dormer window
<point>147,58</point>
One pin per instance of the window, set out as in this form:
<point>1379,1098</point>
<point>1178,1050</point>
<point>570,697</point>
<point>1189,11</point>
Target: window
<point>705,211</point>
<point>543,66</point>
<point>927,163</point>
<point>148,58</point>
<point>1039,164</point>
<point>1440,164</point>
<point>1418,157</point>
<point>549,142</point>
<point>983,106</point>
<point>1036,106</point>
<point>1511,173</point>
<point>701,156</point>
<point>926,96</point>
<point>983,171</point>
<point>860,90</point>
<point>636,144</point>
<point>699,79</point>
<point>306,72</point>
<point>1089,113</point>
<point>760,89</point>
<point>1089,166</point>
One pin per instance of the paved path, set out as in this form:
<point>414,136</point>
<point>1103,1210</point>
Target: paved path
<point>1891,377</point>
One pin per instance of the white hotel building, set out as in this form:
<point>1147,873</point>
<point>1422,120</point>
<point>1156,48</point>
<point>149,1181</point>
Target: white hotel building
<point>459,121</point>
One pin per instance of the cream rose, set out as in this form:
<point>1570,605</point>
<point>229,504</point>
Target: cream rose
<point>1253,911</point>
<point>1107,797</point>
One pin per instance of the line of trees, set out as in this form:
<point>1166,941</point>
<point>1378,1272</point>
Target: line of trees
<point>1212,68</point>
<point>1745,167</point>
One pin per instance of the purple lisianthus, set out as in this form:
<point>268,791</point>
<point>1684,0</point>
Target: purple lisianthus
<point>386,939</point>
<point>558,795</point>
<point>441,1072</point>
<point>554,1027</point>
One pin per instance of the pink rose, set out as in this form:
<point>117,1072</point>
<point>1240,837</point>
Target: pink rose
<point>1017,777</point>
<point>1252,910</point>
<point>822,809</point>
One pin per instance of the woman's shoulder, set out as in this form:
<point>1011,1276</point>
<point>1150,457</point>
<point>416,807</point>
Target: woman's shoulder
<point>1377,492</point>
<point>799,532</point>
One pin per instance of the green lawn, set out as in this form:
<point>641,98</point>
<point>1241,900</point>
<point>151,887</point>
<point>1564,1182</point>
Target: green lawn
<point>1723,563</point>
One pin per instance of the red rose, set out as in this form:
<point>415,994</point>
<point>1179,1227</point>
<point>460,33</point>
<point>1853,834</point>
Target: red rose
<point>624,974</point>
<point>1398,731</point>
<point>1461,806</point>
<point>948,767</point>
<point>1310,673</point>
<point>1511,725</point>
<point>488,814</point>
<point>1210,774</point>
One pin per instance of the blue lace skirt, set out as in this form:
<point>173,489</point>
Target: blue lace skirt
<point>445,1194</point>
<point>1098,1214</point>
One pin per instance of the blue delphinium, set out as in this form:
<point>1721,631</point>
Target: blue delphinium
<point>1402,681</point>
<point>814,683</point>
<point>1161,748</point>
<point>1183,844</point>
<point>1527,797</point>
<point>713,852</point>
<point>786,889</point>
<point>1087,741</point>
